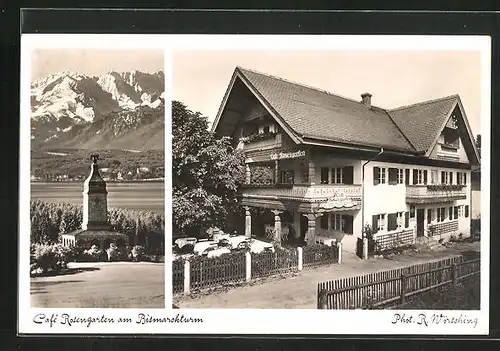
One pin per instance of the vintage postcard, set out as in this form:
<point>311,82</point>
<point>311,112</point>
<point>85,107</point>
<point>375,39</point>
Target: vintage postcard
<point>335,180</point>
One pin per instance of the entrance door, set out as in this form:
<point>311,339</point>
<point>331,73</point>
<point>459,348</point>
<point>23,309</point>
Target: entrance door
<point>420,222</point>
<point>303,226</point>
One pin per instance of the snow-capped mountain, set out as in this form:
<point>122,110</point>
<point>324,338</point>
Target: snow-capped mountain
<point>67,105</point>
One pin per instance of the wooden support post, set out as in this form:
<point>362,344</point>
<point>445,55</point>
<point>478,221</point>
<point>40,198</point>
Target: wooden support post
<point>300,258</point>
<point>322,300</point>
<point>403,289</point>
<point>339,248</point>
<point>248,266</point>
<point>365,248</point>
<point>187,276</point>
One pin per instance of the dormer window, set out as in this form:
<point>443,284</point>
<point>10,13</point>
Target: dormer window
<point>266,129</point>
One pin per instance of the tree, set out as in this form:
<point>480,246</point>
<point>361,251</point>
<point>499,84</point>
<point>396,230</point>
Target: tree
<point>206,174</point>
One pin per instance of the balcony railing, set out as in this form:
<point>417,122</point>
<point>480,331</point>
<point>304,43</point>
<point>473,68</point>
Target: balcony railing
<point>305,192</point>
<point>435,193</point>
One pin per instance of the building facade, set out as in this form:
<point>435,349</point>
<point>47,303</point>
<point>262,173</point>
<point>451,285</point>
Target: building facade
<point>321,167</point>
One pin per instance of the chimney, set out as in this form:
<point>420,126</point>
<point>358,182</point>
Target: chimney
<point>366,99</point>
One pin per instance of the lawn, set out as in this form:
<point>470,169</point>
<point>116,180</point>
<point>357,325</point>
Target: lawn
<point>102,285</point>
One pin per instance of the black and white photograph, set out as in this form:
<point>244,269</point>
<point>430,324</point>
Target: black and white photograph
<point>97,223</point>
<point>332,179</point>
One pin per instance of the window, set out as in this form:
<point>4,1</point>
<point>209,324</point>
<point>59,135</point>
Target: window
<point>450,213</point>
<point>379,176</point>
<point>286,176</point>
<point>460,211</point>
<point>407,219</point>
<point>455,212</point>
<point>465,178</point>
<point>451,139</point>
<point>429,215</point>
<point>324,175</point>
<point>337,176</point>
<point>412,211</point>
<point>337,222</point>
<point>392,221</point>
<point>266,129</point>
<point>393,176</point>
<point>401,173</point>
<point>381,222</point>
<point>434,176</point>
<point>459,177</point>
<point>347,222</point>
<point>407,176</point>
<point>441,214</point>
<point>419,176</point>
<point>304,173</point>
<point>400,220</point>
<point>466,211</point>
<point>446,177</point>
<point>324,221</point>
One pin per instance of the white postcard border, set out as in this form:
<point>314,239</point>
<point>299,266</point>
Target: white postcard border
<point>242,321</point>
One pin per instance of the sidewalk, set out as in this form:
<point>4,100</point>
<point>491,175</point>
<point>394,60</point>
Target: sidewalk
<point>299,291</point>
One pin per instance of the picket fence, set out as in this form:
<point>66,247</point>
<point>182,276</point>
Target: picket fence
<point>392,288</point>
<point>198,273</point>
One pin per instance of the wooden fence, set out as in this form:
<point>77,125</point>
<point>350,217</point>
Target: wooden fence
<point>318,255</point>
<point>391,287</point>
<point>270,263</point>
<point>197,273</point>
<point>177,276</point>
<point>208,272</point>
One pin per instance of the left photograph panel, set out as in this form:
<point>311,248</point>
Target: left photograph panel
<point>97,212</point>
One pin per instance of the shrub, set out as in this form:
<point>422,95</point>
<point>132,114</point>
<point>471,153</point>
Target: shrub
<point>138,253</point>
<point>50,257</point>
<point>112,252</point>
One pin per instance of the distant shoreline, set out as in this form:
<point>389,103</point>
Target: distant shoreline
<point>162,180</point>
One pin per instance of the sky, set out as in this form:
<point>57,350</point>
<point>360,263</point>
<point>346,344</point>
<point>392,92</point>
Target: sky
<point>94,62</point>
<point>395,78</point>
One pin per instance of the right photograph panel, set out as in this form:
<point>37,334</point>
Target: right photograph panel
<point>326,179</point>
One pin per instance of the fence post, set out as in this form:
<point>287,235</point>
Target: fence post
<point>403,288</point>
<point>322,300</point>
<point>248,266</point>
<point>454,273</point>
<point>339,248</point>
<point>187,276</point>
<point>365,248</point>
<point>299,256</point>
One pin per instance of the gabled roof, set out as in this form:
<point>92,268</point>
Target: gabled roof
<point>310,114</point>
<point>317,114</point>
<point>422,121</point>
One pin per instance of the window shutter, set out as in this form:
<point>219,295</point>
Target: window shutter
<point>451,177</point>
<point>429,215</point>
<point>393,176</point>
<point>392,221</point>
<point>415,176</point>
<point>407,177</point>
<point>374,223</point>
<point>376,173</point>
<point>455,212</point>
<point>466,211</point>
<point>407,219</point>
<point>425,177</point>
<point>348,175</point>
<point>465,178</point>
<point>450,214</point>
<point>442,177</point>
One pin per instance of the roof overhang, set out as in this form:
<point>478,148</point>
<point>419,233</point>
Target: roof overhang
<point>238,75</point>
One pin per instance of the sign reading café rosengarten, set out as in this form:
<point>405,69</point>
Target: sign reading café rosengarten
<point>287,155</point>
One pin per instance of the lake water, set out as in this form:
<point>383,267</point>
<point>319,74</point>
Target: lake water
<point>137,196</point>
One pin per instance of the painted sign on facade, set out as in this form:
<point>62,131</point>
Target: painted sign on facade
<point>287,155</point>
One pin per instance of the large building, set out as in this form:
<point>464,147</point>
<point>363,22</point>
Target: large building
<point>323,166</point>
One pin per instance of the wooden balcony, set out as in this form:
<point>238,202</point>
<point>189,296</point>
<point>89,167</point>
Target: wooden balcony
<point>329,195</point>
<point>262,142</point>
<point>424,194</point>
